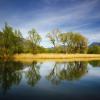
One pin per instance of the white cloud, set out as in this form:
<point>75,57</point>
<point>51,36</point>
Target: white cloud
<point>75,15</point>
<point>71,17</point>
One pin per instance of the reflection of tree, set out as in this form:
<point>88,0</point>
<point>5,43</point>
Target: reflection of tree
<point>33,74</point>
<point>95,63</point>
<point>67,71</point>
<point>74,70</point>
<point>53,75</point>
<point>9,74</point>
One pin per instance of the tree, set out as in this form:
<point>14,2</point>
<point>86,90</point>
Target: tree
<point>54,37</point>
<point>94,49</point>
<point>34,39</point>
<point>11,41</point>
<point>8,36</point>
<point>18,42</point>
<point>73,42</point>
<point>64,40</point>
<point>1,43</point>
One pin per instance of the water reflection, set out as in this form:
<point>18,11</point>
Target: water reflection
<point>33,74</point>
<point>10,74</point>
<point>73,70</point>
<point>67,71</point>
<point>13,73</point>
<point>53,74</point>
<point>95,63</point>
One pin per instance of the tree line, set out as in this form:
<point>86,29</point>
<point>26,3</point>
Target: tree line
<point>69,42</point>
<point>12,42</point>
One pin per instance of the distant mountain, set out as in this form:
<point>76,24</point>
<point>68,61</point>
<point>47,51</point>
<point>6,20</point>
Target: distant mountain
<point>94,43</point>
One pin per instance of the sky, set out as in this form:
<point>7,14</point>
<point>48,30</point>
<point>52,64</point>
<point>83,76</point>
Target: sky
<point>45,15</point>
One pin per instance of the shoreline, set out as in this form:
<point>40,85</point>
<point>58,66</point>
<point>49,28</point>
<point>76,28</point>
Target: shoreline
<point>55,56</point>
<point>56,60</point>
<point>52,57</point>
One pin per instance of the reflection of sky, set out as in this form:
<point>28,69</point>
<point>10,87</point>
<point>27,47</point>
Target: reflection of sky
<point>44,15</point>
<point>93,71</point>
<point>46,67</point>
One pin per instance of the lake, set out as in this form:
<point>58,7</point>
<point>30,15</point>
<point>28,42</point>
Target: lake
<point>50,80</point>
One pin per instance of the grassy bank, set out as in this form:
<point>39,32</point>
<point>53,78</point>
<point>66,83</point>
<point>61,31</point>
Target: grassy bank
<point>56,56</point>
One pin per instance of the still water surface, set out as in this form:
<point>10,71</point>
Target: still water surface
<point>50,80</point>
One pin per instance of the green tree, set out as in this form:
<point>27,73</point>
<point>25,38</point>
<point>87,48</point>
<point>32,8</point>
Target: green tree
<point>11,41</point>
<point>94,49</point>
<point>34,40</point>
<point>73,42</point>
<point>1,43</point>
<point>8,36</point>
<point>64,40</point>
<point>18,42</point>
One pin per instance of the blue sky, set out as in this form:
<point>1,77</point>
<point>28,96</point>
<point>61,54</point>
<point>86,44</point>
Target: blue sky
<point>45,15</point>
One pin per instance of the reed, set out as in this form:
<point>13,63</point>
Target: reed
<point>55,56</point>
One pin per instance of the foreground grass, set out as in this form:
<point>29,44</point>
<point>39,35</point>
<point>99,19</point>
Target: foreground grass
<point>58,57</point>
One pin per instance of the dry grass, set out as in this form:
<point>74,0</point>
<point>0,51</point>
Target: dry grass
<point>55,60</point>
<point>57,56</point>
